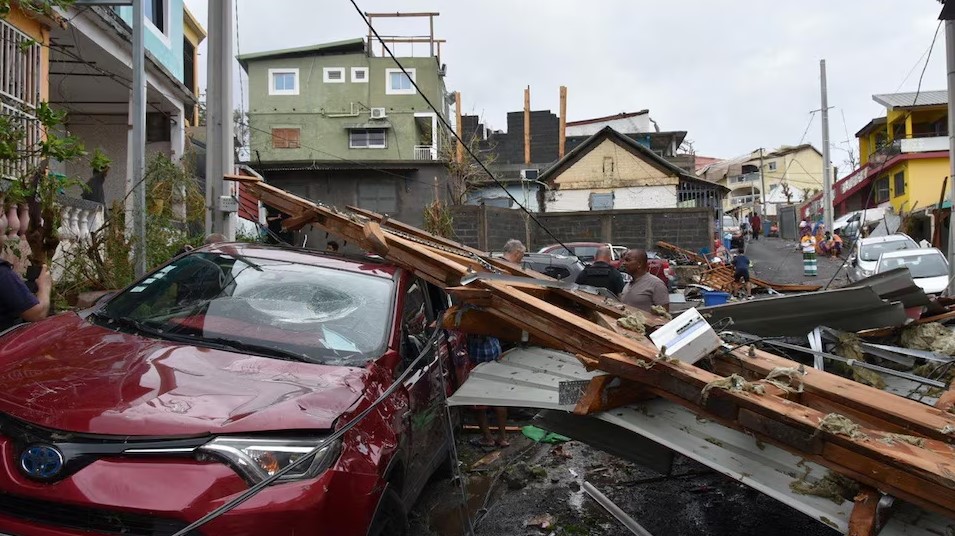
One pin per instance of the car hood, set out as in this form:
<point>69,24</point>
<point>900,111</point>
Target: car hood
<point>932,285</point>
<point>68,374</point>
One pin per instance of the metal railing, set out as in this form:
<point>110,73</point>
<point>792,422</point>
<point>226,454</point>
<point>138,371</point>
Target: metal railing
<point>745,177</point>
<point>425,152</point>
<point>743,199</point>
<point>20,77</point>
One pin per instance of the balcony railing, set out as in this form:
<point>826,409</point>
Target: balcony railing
<point>743,200</point>
<point>745,177</point>
<point>425,152</point>
<point>924,145</point>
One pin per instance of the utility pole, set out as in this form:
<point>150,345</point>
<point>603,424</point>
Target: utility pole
<point>220,160</point>
<point>762,185</point>
<point>137,139</point>
<point>527,125</point>
<point>826,163</point>
<point>950,63</point>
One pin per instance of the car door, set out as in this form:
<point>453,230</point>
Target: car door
<point>424,383</point>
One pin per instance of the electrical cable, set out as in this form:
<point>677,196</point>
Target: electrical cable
<point>447,125</point>
<point>306,458</point>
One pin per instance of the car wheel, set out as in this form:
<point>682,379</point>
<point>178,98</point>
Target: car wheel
<point>390,518</point>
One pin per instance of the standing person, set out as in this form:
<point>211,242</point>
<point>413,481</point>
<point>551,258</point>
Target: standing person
<point>741,272</point>
<point>17,303</point>
<point>808,244</point>
<point>514,251</point>
<point>484,349</point>
<point>601,274</point>
<point>757,223</point>
<point>646,289</point>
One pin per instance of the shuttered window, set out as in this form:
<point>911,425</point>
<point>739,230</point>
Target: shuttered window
<point>286,138</point>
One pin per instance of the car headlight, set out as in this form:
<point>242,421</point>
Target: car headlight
<point>257,459</point>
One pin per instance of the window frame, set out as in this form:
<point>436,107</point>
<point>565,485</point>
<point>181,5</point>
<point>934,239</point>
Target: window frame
<point>878,187</point>
<point>288,142</point>
<point>391,91</point>
<point>771,166</point>
<point>166,14</point>
<point>351,144</point>
<point>600,195</point>
<point>895,183</point>
<point>359,70</point>
<point>284,92</point>
<point>326,71</point>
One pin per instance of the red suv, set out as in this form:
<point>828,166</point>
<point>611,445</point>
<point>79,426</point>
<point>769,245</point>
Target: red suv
<point>586,251</point>
<point>214,372</point>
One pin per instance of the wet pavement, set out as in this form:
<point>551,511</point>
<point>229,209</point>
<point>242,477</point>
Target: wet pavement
<point>515,491</point>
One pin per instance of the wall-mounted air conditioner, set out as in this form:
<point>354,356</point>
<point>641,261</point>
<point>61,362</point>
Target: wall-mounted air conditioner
<point>379,113</point>
<point>530,174</point>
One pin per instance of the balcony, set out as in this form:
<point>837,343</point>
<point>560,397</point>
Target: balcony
<point>744,178</point>
<point>924,145</point>
<point>743,200</point>
<point>425,152</point>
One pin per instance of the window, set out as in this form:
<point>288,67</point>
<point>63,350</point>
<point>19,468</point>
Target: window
<point>21,82</point>
<point>608,164</point>
<point>333,75</point>
<point>881,190</point>
<point>158,127</point>
<point>899,183</point>
<point>772,166</point>
<point>367,138</point>
<point>398,82</point>
<point>359,75</point>
<point>378,195</point>
<point>286,138</point>
<point>601,201</point>
<point>415,322</point>
<point>283,81</point>
<point>156,13</point>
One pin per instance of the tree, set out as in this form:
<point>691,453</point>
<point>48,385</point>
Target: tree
<point>467,175</point>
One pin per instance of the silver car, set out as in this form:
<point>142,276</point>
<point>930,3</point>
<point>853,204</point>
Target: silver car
<point>866,252</point>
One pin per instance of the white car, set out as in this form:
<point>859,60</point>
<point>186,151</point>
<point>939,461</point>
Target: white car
<point>866,253</point>
<point>928,267</point>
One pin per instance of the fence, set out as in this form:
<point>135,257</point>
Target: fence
<point>488,228</point>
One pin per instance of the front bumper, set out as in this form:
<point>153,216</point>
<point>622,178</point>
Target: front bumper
<point>153,497</point>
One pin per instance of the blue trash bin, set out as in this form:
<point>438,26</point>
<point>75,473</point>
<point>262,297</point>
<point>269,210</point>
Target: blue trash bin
<point>715,297</point>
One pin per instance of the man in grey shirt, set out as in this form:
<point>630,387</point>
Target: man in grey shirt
<point>646,289</point>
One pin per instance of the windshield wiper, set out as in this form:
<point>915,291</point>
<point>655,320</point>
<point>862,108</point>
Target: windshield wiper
<point>129,323</point>
<point>223,343</point>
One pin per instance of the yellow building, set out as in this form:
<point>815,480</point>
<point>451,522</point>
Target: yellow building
<point>193,34</point>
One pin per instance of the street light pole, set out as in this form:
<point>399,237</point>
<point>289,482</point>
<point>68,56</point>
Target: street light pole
<point>950,63</point>
<point>137,139</point>
<point>220,159</point>
<point>826,160</point>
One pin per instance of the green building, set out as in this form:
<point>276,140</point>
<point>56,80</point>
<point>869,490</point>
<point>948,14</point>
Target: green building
<point>337,124</point>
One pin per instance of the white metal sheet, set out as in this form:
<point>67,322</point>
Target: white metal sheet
<point>529,377</point>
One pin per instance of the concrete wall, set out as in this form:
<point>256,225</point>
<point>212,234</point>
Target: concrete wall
<point>527,196</point>
<point>166,48</point>
<point>322,110</point>
<point>623,198</point>
<point>487,228</point>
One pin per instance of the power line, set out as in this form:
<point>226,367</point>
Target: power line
<point>924,67</point>
<point>447,125</point>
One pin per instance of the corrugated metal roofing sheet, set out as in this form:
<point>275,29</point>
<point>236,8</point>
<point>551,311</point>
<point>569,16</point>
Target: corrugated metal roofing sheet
<point>908,99</point>
<point>530,377</point>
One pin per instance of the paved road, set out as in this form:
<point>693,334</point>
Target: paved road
<point>780,261</point>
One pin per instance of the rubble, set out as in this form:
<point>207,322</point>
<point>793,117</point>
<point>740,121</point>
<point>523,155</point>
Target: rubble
<point>933,337</point>
<point>586,326</point>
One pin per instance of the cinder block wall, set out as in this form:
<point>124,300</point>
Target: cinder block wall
<point>488,228</point>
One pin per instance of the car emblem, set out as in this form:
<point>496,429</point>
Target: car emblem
<point>41,462</point>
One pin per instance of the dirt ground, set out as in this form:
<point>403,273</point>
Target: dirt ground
<point>528,485</point>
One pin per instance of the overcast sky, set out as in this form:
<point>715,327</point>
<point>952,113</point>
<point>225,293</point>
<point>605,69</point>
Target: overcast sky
<point>735,74</point>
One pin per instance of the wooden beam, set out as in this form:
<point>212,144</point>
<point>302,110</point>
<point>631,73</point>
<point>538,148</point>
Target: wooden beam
<point>527,125</point>
<point>864,519</point>
<point>603,395</point>
<point>562,142</point>
<point>375,238</point>
<point>459,128</point>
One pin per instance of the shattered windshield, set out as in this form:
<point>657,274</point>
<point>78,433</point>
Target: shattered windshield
<point>319,314</point>
<point>872,252</point>
<point>926,265</point>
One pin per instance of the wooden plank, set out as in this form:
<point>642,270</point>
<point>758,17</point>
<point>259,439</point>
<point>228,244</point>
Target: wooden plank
<point>937,318</point>
<point>375,238</point>
<point>864,519</point>
<point>478,297</point>
<point>602,395</point>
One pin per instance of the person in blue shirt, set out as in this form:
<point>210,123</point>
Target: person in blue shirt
<point>17,303</point>
<point>741,272</point>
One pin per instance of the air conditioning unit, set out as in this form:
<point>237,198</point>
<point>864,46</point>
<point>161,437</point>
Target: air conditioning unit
<point>530,174</point>
<point>379,113</point>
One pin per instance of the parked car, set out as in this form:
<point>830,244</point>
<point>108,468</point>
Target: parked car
<point>928,267</point>
<point>557,266</point>
<point>864,258</point>
<point>209,375</point>
<point>586,251</point>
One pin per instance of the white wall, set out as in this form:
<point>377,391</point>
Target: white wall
<point>629,125</point>
<point>623,198</point>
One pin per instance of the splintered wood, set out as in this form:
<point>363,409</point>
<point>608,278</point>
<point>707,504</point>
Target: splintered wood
<point>772,398</point>
<point>720,277</point>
